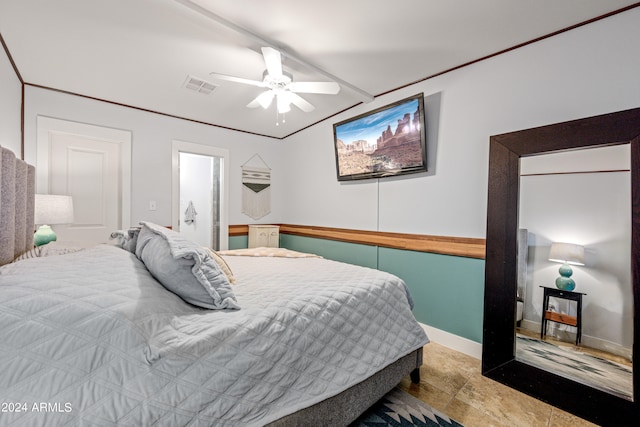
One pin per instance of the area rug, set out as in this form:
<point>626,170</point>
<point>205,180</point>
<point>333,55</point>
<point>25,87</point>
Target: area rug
<point>398,408</point>
<point>593,371</point>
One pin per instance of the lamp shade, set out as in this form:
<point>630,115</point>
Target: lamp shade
<point>53,209</point>
<point>568,253</point>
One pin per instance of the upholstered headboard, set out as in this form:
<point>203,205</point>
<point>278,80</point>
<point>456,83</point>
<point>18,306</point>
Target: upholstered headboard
<point>17,199</point>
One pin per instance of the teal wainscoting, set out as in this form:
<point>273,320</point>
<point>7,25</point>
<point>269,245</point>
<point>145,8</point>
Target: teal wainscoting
<point>238,242</point>
<point>353,253</point>
<point>448,290</point>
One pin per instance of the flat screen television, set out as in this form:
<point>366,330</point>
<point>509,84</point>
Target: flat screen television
<point>388,141</point>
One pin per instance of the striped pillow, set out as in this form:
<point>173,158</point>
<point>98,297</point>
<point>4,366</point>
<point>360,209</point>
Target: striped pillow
<point>31,253</point>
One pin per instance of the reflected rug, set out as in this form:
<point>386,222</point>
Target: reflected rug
<point>590,370</point>
<point>398,408</point>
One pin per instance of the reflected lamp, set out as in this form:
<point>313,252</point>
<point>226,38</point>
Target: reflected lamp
<point>51,209</point>
<point>568,254</point>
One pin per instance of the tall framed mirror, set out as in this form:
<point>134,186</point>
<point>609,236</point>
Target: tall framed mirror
<point>501,358</point>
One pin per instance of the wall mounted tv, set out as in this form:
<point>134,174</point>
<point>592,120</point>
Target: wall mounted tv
<point>388,141</point>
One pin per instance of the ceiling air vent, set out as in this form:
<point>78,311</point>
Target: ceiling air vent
<point>199,85</point>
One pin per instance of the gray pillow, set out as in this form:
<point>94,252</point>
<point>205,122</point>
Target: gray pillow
<point>184,268</point>
<point>127,239</point>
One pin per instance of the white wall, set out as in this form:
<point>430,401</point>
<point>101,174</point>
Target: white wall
<point>590,70</point>
<point>10,105</point>
<point>151,150</point>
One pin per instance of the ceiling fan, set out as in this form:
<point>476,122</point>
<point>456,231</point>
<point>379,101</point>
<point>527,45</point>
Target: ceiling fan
<point>280,85</point>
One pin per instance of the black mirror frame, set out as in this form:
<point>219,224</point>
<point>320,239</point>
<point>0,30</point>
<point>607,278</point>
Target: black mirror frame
<point>498,349</point>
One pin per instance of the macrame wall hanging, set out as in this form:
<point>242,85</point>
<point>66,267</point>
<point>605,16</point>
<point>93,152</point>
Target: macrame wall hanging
<point>256,187</point>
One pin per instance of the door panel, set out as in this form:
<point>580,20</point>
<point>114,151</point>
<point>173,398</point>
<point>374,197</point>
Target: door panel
<point>88,170</point>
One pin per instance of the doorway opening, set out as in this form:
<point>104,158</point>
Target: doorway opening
<point>200,183</point>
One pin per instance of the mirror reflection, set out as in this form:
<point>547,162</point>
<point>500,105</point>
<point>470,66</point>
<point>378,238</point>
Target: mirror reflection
<point>574,296</point>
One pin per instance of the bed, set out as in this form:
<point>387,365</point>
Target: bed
<point>95,337</point>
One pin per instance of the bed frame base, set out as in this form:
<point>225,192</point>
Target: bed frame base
<point>415,376</point>
<point>347,406</point>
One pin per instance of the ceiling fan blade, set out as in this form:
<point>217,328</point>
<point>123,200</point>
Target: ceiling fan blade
<point>263,100</point>
<point>331,88</point>
<point>238,79</point>
<point>273,60</point>
<point>300,102</point>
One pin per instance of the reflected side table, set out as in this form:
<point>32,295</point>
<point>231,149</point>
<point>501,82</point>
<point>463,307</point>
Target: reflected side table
<point>565,319</point>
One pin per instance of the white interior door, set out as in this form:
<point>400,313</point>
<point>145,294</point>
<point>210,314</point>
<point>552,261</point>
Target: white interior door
<point>87,170</point>
<point>91,164</point>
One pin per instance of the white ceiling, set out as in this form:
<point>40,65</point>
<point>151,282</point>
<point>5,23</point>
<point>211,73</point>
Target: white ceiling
<point>140,52</point>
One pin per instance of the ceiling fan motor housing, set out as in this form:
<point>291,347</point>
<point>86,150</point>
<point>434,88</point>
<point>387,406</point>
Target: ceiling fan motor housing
<point>280,82</point>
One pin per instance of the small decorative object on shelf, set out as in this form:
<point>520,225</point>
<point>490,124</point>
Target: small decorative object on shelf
<point>566,253</point>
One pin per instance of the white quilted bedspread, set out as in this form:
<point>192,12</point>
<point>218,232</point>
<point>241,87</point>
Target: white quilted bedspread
<point>92,339</point>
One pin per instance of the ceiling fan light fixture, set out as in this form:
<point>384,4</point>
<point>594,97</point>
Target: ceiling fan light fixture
<point>265,99</point>
<point>283,103</point>
<point>281,86</point>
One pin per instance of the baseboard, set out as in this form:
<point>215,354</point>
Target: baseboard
<point>454,342</point>
<point>530,325</point>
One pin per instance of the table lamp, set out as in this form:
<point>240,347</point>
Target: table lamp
<point>566,253</point>
<point>51,209</point>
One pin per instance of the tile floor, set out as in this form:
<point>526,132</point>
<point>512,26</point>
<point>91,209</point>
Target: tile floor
<point>452,383</point>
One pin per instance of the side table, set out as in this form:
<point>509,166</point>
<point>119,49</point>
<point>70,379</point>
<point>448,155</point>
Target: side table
<point>565,319</point>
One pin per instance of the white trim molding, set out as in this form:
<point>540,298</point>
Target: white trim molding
<point>455,342</point>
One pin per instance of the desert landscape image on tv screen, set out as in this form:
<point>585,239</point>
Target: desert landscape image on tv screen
<point>387,141</point>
